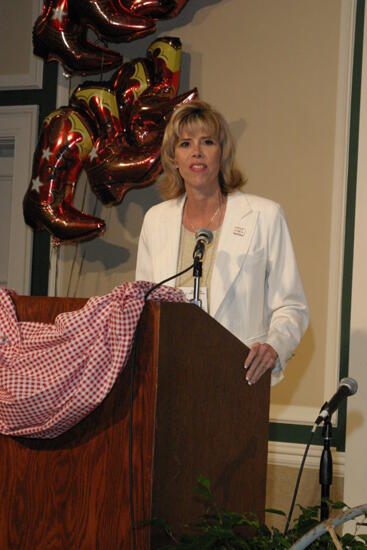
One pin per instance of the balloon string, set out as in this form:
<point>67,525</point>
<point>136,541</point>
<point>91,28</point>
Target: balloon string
<point>72,268</point>
<point>79,273</point>
<point>95,207</point>
<point>105,44</point>
<point>84,252</point>
<point>57,270</point>
<point>84,197</point>
<point>76,251</point>
<point>55,249</point>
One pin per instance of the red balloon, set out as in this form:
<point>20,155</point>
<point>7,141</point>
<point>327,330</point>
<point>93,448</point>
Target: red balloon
<point>63,145</point>
<point>109,21</point>
<point>158,9</point>
<point>60,32</point>
<point>165,55</point>
<point>97,102</point>
<point>129,82</point>
<point>119,167</point>
<point>148,8</point>
<point>113,130</point>
<point>57,37</point>
<point>179,6</point>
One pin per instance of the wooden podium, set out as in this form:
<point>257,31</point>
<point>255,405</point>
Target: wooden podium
<point>192,414</point>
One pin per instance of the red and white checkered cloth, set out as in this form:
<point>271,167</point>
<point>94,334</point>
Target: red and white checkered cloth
<point>53,375</point>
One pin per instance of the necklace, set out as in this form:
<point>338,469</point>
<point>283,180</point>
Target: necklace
<point>219,209</point>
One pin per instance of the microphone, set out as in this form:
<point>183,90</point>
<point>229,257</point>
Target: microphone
<point>347,386</point>
<point>203,237</point>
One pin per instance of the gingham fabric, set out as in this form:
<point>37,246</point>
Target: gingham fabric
<point>53,375</point>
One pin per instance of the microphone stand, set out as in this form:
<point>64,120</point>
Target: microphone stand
<point>198,271</point>
<point>326,470</point>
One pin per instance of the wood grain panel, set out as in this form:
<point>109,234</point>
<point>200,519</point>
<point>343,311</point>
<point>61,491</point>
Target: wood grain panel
<point>73,491</point>
<point>208,420</point>
<point>192,414</point>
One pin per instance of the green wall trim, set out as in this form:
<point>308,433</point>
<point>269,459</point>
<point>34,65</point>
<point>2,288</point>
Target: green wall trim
<point>351,191</point>
<point>350,209</point>
<point>41,239</point>
<point>300,433</point>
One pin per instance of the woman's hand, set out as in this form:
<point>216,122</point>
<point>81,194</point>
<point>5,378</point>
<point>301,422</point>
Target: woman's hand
<point>261,358</point>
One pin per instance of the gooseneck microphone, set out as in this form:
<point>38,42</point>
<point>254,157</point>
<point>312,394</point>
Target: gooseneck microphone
<point>347,387</point>
<point>203,237</point>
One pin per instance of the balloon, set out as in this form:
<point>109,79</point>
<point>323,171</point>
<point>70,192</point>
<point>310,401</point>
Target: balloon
<point>118,167</point>
<point>179,6</point>
<point>112,23</point>
<point>64,143</point>
<point>158,73</point>
<point>148,95</point>
<point>148,8</point>
<point>57,37</point>
<point>165,54</point>
<point>113,130</point>
<point>158,9</point>
<point>60,32</point>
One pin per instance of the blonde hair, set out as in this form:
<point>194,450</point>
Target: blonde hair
<point>190,116</point>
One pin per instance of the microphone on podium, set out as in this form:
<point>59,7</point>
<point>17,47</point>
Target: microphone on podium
<point>203,237</point>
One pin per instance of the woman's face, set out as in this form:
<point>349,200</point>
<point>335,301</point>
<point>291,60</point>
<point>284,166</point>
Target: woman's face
<point>197,157</point>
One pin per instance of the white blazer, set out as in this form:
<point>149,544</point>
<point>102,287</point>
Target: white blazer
<point>256,290</point>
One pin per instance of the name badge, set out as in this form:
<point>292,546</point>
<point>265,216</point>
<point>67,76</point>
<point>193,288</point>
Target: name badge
<point>239,231</point>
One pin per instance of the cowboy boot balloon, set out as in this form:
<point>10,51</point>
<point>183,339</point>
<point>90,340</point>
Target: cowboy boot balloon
<point>128,83</point>
<point>158,9</point>
<point>118,148</point>
<point>165,55</point>
<point>179,6</point>
<point>97,102</point>
<point>148,8</point>
<point>149,96</point>
<point>118,168</point>
<point>109,21</point>
<point>131,152</point>
<point>65,141</point>
<point>111,166</point>
<point>145,115</point>
<point>158,72</point>
<point>57,37</point>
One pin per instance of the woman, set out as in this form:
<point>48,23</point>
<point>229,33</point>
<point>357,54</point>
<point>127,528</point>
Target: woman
<point>250,273</point>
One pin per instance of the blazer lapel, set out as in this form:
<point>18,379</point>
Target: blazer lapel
<point>235,238</point>
<point>170,230</point>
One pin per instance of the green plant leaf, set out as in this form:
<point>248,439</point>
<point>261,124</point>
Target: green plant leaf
<point>338,505</point>
<point>204,481</point>
<point>225,530</point>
